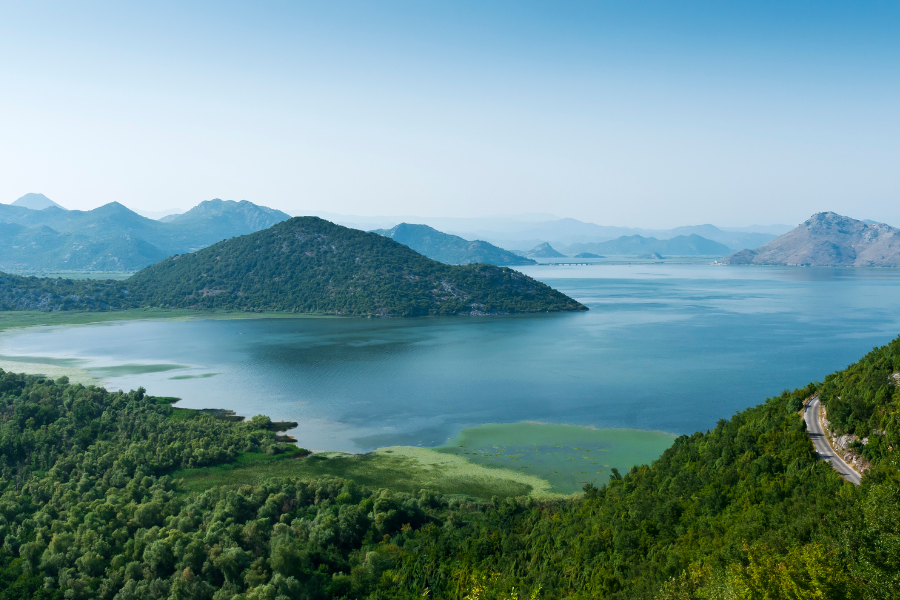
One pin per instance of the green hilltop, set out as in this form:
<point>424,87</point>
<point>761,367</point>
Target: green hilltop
<point>303,265</point>
<point>451,249</point>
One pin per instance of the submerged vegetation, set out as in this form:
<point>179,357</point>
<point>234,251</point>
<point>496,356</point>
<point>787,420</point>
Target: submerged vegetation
<point>121,496</point>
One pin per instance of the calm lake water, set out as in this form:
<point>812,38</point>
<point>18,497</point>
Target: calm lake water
<point>664,347</point>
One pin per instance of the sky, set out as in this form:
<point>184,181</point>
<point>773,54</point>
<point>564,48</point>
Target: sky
<point>644,114</point>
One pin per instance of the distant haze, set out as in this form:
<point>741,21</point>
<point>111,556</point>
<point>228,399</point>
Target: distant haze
<point>651,114</point>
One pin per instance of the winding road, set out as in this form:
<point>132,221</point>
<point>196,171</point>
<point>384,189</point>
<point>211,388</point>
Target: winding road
<point>820,442</point>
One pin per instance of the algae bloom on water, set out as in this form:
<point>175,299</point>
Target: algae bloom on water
<point>549,449</point>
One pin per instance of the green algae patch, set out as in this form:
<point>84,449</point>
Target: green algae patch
<point>567,456</point>
<point>398,468</point>
<point>200,376</point>
<point>135,369</point>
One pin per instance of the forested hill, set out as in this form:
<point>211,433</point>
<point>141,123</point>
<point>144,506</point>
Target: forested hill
<point>307,264</point>
<point>451,249</point>
<point>89,509</point>
<point>52,294</point>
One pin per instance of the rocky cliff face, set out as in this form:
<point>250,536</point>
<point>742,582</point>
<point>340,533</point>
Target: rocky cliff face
<point>828,239</point>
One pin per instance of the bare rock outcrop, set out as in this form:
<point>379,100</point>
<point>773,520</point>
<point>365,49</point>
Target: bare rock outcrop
<point>828,239</point>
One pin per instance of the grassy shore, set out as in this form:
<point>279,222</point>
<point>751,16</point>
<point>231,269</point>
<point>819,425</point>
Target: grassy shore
<point>399,468</point>
<point>72,368</point>
<point>12,319</point>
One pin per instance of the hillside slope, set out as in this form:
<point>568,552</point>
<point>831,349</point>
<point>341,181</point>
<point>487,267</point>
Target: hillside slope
<point>30,249</point>
<point>52,294</point>
<point>36,202</point>
<point>92,506</point>
<point>451,249</point>
<point>307,264</point>
<point>544,250</point>
<point>828,239</point>
<point>115,238</point>
<point>216,220</point>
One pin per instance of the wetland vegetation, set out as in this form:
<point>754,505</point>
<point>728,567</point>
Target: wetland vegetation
<point>120,495</point>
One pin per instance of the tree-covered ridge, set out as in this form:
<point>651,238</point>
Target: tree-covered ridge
<point>51,294</point>
<point>307,264</point>
<point>864,400</point>
<point>451,249</point>
<point>698,521</point>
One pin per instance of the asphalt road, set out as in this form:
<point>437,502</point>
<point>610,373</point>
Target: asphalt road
<point>823,449</point>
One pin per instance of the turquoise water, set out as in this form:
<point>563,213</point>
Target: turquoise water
<point>672,348</point>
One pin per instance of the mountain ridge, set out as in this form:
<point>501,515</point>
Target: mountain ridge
<point>682,245</point>
<point>36,201</point>
<point>827,239</point>
<point>112,237</point>
<point>307,264</point>
<point>451,249</point>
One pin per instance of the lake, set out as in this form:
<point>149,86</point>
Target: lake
<point>665,347</point>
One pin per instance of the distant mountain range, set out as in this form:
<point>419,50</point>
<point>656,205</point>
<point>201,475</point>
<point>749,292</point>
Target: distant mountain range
<point>522,232</point>
<point>451,249</point>
<point>682,245</point>
<point>828,239</point>
<point>36,202</point>
<point>114,238</point>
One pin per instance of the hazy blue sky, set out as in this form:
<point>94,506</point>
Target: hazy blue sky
<point>623,113</point>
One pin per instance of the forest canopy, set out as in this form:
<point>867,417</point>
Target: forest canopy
<point>89,509</point>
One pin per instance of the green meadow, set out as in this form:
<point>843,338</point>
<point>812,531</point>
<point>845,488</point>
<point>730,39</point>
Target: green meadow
<point>399,468</point>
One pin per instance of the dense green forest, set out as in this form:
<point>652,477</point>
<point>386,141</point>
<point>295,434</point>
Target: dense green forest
<point>54,294</point>
<point>451,249</point>
<point>303,265</point>
<point>307,264</point>
<point>864,400</point>
<point>89,509</point>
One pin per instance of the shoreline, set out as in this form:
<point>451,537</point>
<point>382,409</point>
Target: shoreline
<point>22,319</point>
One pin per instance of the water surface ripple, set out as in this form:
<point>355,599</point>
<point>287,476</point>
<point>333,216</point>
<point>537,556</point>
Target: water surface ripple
<point>664,347</point>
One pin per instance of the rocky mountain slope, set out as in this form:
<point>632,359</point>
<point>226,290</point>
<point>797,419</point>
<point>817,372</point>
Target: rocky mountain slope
<point>544,250</point>
<point>115,238</point>
<point>451,249</point>
<point>828,239</point>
